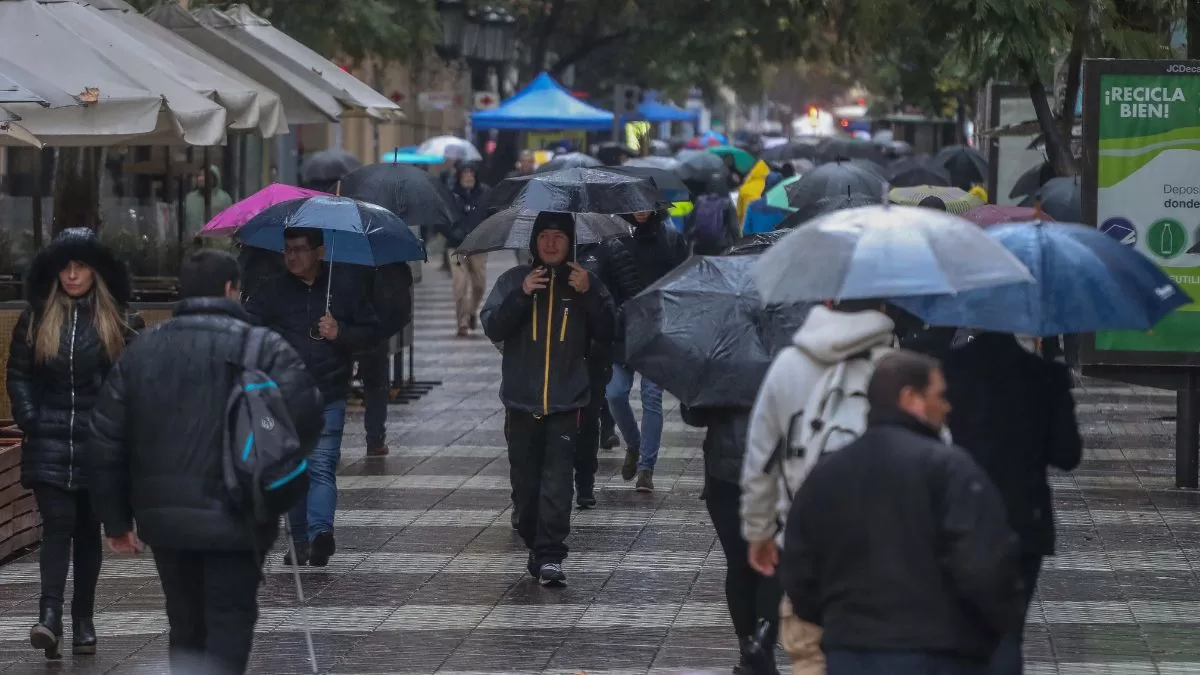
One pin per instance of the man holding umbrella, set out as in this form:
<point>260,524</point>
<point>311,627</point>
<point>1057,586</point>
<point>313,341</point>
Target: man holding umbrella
<point>546,317</point>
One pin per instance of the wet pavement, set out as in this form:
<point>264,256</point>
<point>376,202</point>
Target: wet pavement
<point>429,576</point>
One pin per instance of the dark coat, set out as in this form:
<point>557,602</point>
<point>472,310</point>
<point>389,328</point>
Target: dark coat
<point>1013,411</point>
<point>544,342</point>
<point>158,429</point>
<point>899,542</point>
<point>724,440</point>
<point>656,246</point>
<point>614,265</point>
<point>293,309</point>
<point>391,296</point>
<point>52,401</point>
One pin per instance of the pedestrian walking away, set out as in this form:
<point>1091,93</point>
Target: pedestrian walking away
<point>1014,413</point>
<point>469,274</point>
<point>391,298</point>
<point>657,248</point>
<point>76,325</point>
<point>897,544</point>
<point>326,332</point>
<point>161,466</point>
<point>546,318</point>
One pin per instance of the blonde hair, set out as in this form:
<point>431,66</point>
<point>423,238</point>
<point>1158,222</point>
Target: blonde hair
<point>107,317</point>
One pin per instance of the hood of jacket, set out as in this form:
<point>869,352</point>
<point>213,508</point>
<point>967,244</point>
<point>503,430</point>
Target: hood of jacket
<point>551,220</point>
<point>78,244</point>
<point>829,336</point>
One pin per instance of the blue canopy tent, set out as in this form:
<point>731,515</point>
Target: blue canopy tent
<point>544,104</point>
<point>653,110</point>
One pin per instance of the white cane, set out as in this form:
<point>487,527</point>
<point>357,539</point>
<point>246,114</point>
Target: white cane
<point>312,653</point>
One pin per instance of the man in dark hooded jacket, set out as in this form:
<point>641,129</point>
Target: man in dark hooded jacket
<point>546,319</point>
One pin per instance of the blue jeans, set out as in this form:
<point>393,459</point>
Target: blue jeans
<point>844,662</point>
<point>314,514</point>
<point>649,438</point>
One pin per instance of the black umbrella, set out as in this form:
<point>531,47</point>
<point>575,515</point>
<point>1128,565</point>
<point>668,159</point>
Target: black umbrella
<point>1059,198</point>
<point>659,148</point>
<point>755,243</point>
<point>897,149</point>
<point>843,148</point>
<point>966,166</point>
<point>702,168</point>
<point>1029,182</point>
<point>411,193</point>
<point>571,160</point>
<point>702,333</point>
<point>874,167</point>
<point>612,154</point>
<point>826,205</point>
<point>513,229</point>
<point>839,179</point>
<point>790,151</point>
<point>912,172</point>
<point>327,166</point>
<point>579,191</point>
<point>667,182</point>
<point>655,162</point>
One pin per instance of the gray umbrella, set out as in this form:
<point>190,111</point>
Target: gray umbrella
<point>512,229</point>
<point>327,166</point>
<point>884,252</point>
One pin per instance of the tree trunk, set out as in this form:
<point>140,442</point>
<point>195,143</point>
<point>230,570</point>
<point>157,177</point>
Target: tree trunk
<point>1057,150</point>
<point>537,60</point>
<point>76,189</point>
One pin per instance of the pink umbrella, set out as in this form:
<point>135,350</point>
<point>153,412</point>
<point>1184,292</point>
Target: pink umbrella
<point>991,214</point>
<point>225,223</point>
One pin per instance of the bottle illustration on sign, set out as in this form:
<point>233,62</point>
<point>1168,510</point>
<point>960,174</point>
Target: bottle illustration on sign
<point>1121,229</point>
<point>1166,238</point>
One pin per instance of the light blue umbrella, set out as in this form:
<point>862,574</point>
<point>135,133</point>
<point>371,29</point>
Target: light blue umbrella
<point>1086,281</point>
<point>401,157</point>
<point>883,252</point>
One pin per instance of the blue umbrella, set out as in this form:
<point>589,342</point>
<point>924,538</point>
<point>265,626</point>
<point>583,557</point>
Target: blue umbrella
<point>356,233</point>
<point>1086,281</point>
<point>402,157</point>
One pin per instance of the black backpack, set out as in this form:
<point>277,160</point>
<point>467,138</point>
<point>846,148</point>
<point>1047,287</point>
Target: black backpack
<point>264,467</point>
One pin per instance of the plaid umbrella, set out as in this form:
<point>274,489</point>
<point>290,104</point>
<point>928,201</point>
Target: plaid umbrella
<point>957,201</point>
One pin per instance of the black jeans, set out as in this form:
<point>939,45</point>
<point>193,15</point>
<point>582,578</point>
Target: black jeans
<point>67,518</point>
<point>1007,659</point>
<point>212,606</point>
<point>541,463</point>
<point>750,595</point>
<point>587,449</point>
<point>374,368</point>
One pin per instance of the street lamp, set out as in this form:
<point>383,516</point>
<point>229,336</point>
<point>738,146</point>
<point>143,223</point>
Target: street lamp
<point>453,16</point>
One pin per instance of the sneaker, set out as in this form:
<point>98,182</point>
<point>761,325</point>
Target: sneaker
<point>645,481</point>
<point>629,468</point>
<point>378,451</point>
<point>301,553</point>
<point>551,574</point>
<point>609,439</point>
<point>323,547</point>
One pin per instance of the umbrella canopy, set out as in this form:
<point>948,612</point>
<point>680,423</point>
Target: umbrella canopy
<point>659,148</point>
<point>570,160</point>
<point>911,172</point>
<point>450,147</point>
<point>955,200</point>
<point>579,191</point>
<point>18,85</point>
<point>896,148</point>
<point>1086,282</point>
<point>513,229</point>
<point>777,196</point>
<point>399,157</point>
<point>653,110</point>
<point>742,160</point>
<point>755,243</point>
<point>837,179</point>
<point>824,206</point>
<point>12,133</point>
<point>655,162</point>
<point>228,221</point>
<point>356,233</point>
<point>544,104</point>
<point>991,214</point>
<point>667,182</point>
<point>790,151</point>
<point>614,154</point>
<point>702,168</point>
<point>702,333</point>
<point>884,252</point>
<point>967,168</point>
<point>1059,198</point>
<point>417,197</point>
<point>844,148</point>
<point>327,166</point>
<point>1029,182</point>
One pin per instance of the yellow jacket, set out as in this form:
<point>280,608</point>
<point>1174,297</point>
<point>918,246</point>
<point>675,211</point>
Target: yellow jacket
<point>752,187</point>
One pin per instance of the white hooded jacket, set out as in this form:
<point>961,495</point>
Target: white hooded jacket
<point>826,338</point>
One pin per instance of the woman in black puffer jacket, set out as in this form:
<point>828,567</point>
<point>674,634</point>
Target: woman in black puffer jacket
<point>75,327</point>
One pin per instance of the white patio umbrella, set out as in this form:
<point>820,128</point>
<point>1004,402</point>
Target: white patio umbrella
<point>450,147</point>
<point>12,133</point>
<point>126,92</point>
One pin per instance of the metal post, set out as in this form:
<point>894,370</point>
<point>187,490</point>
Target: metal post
<point>1187,433</point>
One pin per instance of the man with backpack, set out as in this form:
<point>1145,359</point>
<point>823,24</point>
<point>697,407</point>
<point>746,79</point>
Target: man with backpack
<point>812,401</point>
<point>712,226</point>
<point>160,454</point>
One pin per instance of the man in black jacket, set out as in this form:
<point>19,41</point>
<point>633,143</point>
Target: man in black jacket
<point>156,456</point>
<point>898,546</point>
<point>327,332</point>
<point>546,319</point>
<point>657,248</point>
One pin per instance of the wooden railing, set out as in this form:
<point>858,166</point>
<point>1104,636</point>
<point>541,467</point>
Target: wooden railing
<point>20,524</point>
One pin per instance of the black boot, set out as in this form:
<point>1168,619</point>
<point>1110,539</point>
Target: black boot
<point>758,657</point>
<point>47,634</point>
<point>83,636</point>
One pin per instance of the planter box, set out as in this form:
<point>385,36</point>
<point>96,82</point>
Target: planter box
<point>20,524</point>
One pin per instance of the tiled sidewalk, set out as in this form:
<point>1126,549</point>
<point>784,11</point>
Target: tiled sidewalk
<point>429,577</point>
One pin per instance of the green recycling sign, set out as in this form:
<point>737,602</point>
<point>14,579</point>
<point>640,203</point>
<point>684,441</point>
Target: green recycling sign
<point>1166,238</point>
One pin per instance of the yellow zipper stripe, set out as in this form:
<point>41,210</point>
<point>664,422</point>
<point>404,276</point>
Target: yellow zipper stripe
<point>549,332</point>
<point>535,317</point>
<point>562,331</point>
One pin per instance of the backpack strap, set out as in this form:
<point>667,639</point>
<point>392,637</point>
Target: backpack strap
<point>256,337</point>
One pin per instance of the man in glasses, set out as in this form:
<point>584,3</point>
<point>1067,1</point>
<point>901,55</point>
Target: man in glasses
<point>326,323</point>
